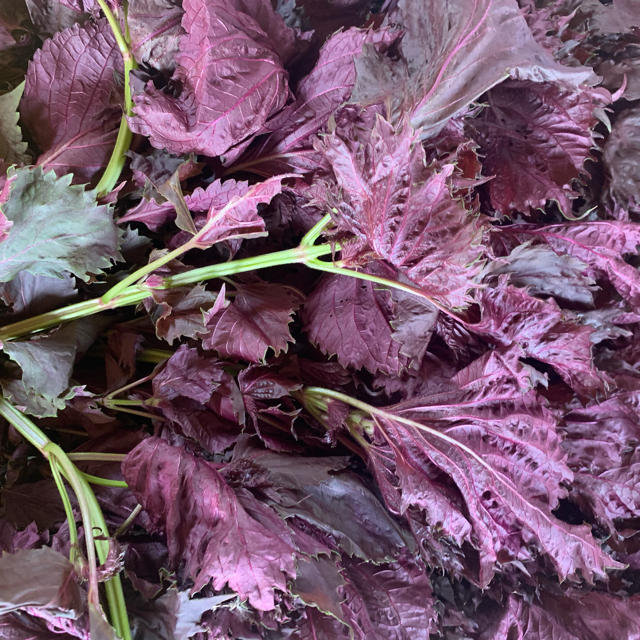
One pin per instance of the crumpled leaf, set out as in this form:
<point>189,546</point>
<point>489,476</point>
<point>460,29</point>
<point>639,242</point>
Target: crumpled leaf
<point>535,139</point>
<point>601,244</point>
<point>600,443</point>
<point>539,329</point>
<point>155,31</point>
<point>181,312</point>
<point>51,16</point>
<point>319,94</point>
<point>69,106</point>
<point>361,323</point>
<point>503,474</point>
<point>621,157</point>
<point>579,616</point>
<point>403,213</point>
<point>452,52</point>
<point>389,601</point>
<point>206,526</point>
<point>199,398</point>
<point>56,228</point>
<point>256,320</point>
<point>17,43</point>
<point>231,77</point>
<point>12,147</point>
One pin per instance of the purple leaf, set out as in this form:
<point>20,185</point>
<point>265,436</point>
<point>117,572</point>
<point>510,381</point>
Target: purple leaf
<point>180,312</point>
<point>319,94</point>
<point>489,480</point>
<point>39,578</point>
<point>545,273</point>
<point>536,139</point>
<point>622,160</point>
<point>452,52</point>
<point>389,601</point>
<point>232,81</point>
<point>155,31</point>
<point>602,245</point>
<point>360,323</point>
<point>67,107</point>
<point>403,213</point>
<point>600,443</point>
<point>577,616</point>
<point>256,320</point>
<point>351,318</point>
<point>321,492</point>
<point>206,526</point>
<point>238,217</point>
<point>539,329</point>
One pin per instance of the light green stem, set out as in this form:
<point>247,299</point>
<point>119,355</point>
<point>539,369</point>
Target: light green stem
<point>90,456</point>
<point>138,274</point>
<point>123,141</point>
<point>90,512</point>
<point>68,511</point>
<point>137,293</point>
<point>104,482</point>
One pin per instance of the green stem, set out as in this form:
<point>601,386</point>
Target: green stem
<point>103,482</point>
<point>68,510</point>
<point>316,231</point>
<point>90,456</point>
<point>135,294</point>
<point>116,162</point>
<point>90,512</point>
<point>138,274</point>
<point>123,142</point>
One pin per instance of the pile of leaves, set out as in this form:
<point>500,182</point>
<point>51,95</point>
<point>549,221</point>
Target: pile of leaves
<point>320,319</point>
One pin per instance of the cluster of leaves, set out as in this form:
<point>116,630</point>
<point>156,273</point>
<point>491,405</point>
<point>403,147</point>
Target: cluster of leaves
<point>351,346</point>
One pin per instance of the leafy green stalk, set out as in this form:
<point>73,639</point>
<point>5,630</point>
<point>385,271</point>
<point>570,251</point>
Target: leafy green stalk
<point>134,294</point>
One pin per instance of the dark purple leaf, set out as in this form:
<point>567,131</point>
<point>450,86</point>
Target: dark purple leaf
<point>69,106</point>
<point>403,213</point>
<point>601,244</point>
<point>622,159</point>
<point>39,578</point>
<point>389,601</point>
<point>318,491</point>
<point>543,272</point>
<point>206,526</point>
<point>256,320</point>
<point>535,139</point>
<point>231,81</point>
<point>452,52</point>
